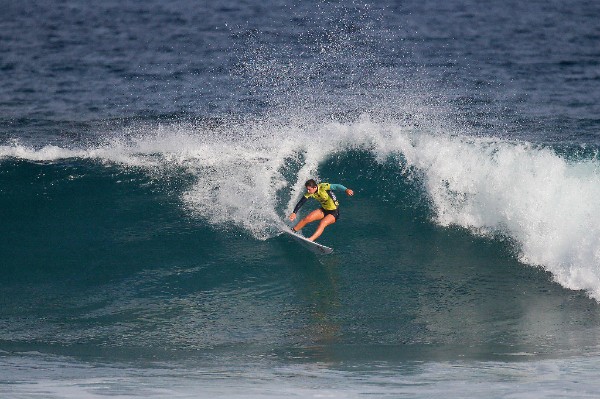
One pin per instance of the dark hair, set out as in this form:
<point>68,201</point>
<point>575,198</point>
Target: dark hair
<point>310,183</point>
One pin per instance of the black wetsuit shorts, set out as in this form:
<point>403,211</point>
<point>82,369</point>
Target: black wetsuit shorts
<point>334,212</point>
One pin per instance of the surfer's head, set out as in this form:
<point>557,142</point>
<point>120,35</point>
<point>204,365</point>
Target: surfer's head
<point>311,186</point>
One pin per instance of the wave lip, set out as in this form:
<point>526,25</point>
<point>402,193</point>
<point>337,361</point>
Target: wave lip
<point>47,153</point>
<point>547,205</point>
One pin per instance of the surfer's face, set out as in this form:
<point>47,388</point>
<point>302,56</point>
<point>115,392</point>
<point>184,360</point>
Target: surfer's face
<point>311,190</point>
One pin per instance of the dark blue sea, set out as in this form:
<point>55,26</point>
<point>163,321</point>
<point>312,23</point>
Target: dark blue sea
<point>150,152</point>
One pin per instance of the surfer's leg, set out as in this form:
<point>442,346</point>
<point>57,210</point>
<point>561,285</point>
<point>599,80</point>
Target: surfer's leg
<point>317,214</point>
<point>326,221</point>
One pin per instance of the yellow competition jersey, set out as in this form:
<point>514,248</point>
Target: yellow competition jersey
<point>325,197</point>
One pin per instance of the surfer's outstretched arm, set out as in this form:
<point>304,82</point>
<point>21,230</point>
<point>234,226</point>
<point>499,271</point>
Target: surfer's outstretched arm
<point>342,188</point>
<point>297,208</point>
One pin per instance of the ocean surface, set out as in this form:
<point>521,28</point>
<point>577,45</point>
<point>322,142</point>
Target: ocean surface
<point>150,152</point>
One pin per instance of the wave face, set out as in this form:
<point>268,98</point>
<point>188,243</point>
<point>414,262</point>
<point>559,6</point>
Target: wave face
<point>248,176</point>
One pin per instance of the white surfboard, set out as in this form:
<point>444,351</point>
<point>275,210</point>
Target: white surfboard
<point>310,245</point>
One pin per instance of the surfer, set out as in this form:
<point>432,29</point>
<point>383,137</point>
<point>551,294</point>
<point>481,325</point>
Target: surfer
<point>329,212</point>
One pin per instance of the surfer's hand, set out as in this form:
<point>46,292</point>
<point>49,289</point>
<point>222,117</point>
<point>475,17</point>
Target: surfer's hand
<point>292,217</point>
<point>349,192</point>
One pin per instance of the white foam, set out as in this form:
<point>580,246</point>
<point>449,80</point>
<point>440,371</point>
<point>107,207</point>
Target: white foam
<point>46,153</point>
<point>548,205</point>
